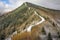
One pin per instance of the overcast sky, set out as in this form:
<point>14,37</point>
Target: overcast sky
<point>7,5</point>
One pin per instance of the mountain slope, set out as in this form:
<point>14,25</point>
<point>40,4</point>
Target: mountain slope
<point>22,17</point>
<point>42,31</point>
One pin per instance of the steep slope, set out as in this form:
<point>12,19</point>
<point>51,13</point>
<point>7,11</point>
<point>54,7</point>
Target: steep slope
<point>22,17</point>
<point>48,30</point>
<point>17,20</point>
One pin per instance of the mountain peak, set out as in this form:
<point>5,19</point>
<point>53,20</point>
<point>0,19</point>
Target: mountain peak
<point>28,4</point>
<point>25,3</point>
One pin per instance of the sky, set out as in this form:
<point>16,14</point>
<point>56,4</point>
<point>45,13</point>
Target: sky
<point>8,5</point>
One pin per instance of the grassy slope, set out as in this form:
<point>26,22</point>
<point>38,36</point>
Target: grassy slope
<point>20,17</point>
<point>37,30</point>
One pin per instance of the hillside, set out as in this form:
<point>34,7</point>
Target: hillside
<point>24,16</point>
<point>17,20</point>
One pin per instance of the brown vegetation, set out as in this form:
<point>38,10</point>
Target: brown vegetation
<point>23,36</point>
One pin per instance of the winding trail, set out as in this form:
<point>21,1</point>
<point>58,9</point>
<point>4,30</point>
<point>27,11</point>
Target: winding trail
<point>30,27</point>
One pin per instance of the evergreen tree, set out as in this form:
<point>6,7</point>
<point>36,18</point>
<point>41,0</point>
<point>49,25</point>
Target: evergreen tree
<point>53,24</point>
<point>58,34</point>
<point>49,36</point>
<point>43,31</point>
<point>14,29</point>
<point>2,37</point>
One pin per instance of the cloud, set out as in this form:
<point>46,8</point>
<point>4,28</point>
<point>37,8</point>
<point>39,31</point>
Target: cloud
<point>5,7</point>
<point>1,7</point>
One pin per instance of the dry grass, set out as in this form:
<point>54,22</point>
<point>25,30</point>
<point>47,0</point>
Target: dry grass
<point>23,36</point>
<point>33,35</point>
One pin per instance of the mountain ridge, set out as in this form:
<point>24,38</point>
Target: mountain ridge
<point>23,16</point>
<point>28,4</point>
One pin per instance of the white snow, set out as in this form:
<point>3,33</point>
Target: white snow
<point>29,28</point>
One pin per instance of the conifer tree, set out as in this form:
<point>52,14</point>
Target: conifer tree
<point>58,34</point>
<point>49,36</point>
<point>43,31</point>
